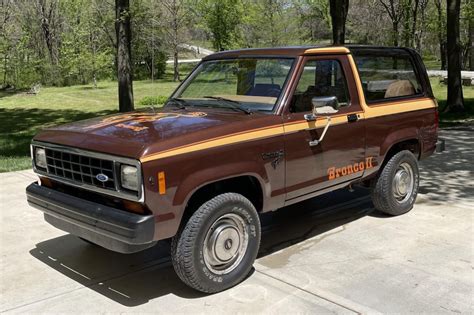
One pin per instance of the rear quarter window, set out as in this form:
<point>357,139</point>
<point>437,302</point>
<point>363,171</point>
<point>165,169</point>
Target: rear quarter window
<point>388,76</point>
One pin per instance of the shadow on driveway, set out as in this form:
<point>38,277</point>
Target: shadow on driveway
<point>447,177</point>
<point>134,279</point>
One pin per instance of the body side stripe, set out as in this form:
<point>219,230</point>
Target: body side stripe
<point>292,127</point>
<point>216,142</point>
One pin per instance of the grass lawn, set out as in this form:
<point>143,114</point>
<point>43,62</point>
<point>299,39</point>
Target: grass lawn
<point>450,119</point>
<point>22,115</point>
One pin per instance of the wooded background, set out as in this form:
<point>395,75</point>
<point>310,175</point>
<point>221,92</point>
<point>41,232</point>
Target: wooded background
<point>68,42</point>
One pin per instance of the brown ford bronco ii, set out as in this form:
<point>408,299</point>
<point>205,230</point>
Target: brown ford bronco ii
<point>248,131</point>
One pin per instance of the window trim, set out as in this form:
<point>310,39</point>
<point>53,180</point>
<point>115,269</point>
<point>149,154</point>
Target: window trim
<point>383,101</point>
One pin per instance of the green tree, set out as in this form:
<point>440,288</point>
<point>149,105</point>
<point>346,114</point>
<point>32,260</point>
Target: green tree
<point>84,57</point>
<point>149,59</point>
<point>395,10</point>
<point>314,18</point>
<point>222,18</point>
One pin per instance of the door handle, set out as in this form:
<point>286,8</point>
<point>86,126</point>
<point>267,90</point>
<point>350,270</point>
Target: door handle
<point>352,118</point>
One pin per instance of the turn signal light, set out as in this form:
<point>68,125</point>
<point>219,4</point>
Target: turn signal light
<point>161,183</point>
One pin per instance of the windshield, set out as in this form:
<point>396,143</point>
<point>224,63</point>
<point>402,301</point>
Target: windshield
<point>240,84</point>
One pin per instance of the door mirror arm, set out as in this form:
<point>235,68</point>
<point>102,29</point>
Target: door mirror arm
<point>322,105</point>
<point>313,143</point>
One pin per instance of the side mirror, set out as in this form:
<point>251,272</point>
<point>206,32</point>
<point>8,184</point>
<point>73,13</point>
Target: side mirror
<point>323,105</point>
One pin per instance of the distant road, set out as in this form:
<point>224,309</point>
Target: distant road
<point>196,49</point>
<point>444,73</point>
<point>184,61</point>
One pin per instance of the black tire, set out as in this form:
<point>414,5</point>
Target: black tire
<point>385,196</point>
<point>190,256</point>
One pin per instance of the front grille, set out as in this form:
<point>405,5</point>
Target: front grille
<point>80,168</point>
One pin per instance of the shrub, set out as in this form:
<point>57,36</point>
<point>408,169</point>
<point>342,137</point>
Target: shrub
<point>153,100</point>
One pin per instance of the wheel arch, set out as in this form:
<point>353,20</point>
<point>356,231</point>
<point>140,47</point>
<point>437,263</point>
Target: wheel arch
<point>248,185</point>
<point>401,139</point>
<point>412,144</point>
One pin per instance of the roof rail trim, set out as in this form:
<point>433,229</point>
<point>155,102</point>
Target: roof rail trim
<point>327,50</point>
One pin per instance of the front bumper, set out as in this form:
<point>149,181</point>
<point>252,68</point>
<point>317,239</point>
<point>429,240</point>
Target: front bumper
<point>108,227</point>
<point>440,145</point>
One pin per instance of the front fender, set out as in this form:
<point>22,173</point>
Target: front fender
<point>199,179</point>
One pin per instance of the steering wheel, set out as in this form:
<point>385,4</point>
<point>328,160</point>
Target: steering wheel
<point>273,92</point>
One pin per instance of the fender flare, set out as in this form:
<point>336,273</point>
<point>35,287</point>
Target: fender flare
<point>196,180</point>
<point>397,136</point>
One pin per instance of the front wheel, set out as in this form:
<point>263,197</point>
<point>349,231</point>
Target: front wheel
<point>396,187</point>
<point>218,245</point>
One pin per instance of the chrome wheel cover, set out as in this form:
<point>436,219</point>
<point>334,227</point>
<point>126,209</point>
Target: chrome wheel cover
<point>225,244</point>
<point>403,182</point>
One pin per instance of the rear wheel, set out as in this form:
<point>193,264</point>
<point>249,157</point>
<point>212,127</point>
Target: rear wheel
<point>218,245</point>
<point>396,187</point>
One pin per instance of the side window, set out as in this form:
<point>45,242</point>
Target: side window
<point>320,78</point>
<point>387,76</point>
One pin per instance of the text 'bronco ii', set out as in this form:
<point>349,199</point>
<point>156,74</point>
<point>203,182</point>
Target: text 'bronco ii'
<point>248,131</point>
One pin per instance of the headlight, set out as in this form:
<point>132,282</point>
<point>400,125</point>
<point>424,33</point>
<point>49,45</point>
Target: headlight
<point>40,157</point>
<point>129,177</point>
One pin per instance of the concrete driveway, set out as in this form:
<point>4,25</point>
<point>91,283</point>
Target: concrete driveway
<point>332,254</point>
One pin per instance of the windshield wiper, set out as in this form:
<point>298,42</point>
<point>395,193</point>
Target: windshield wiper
<point>177,102</point>
<point>232,103</point>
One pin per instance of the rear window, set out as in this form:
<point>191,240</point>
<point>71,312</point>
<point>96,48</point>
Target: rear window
<point>387,76</point>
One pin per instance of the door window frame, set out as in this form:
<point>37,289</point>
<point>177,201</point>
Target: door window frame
<point>354,98</point>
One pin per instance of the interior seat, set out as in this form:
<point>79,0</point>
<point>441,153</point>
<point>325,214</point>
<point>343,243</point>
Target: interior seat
<point>400,88</point>
<point>265,89</point>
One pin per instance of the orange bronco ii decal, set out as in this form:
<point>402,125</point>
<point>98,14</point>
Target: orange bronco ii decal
<point>334,172</point>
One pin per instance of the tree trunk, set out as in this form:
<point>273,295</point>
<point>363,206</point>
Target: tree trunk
<point>5,66</point>
<point>175,65</point>
<point>338,10</point>
<point>421,32</point>
<point>441,37</point>
<point>471,44</point>
<point>124,55</point>
<point>443,57</point>
<point>414,26</point>
<point>406,23</point>
<point>47,16</point>
<point>395,33</point>
<point>455,97</point>
<point>175,42</point>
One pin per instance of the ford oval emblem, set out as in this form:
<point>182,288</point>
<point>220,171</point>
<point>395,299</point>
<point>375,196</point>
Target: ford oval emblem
<point>102,177</point>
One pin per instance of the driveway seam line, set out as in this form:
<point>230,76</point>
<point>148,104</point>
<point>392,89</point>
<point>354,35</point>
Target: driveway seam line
<point>354,308</point>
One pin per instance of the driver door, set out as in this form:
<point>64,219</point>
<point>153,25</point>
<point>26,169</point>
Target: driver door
<point>313,168</point>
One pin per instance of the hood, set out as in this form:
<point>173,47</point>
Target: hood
<point>130,134</point>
